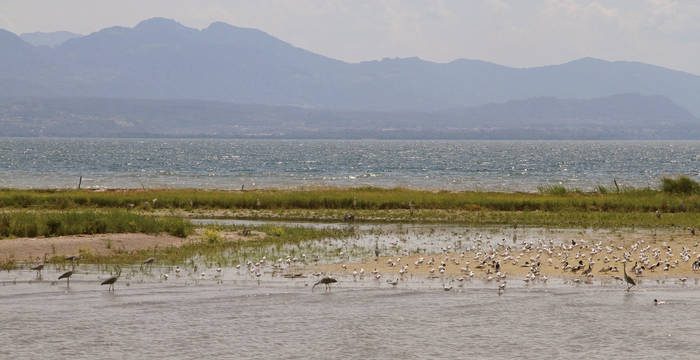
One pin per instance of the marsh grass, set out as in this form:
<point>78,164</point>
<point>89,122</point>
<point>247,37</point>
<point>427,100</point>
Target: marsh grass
<point>556,198</point>
<point>551,206</point>
<point>33,224</point>
<point>8,264</point>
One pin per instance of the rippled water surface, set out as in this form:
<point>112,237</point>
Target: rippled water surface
<point>284,319</point>
<point>233,315</point>
<point>203,313</point>
<point>230,164</point>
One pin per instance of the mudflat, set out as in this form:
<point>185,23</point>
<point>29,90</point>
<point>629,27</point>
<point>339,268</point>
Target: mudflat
<point>29,249</point>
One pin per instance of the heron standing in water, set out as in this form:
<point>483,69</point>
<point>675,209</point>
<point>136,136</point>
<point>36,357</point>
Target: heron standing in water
<point>327,281</point>
<point>39,267</point>
<point>110,281</point>
<point>38,270</point>
<point>73,259</point>
<point>66,275</point>
<point>628,279</point>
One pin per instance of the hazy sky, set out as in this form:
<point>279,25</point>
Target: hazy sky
<point>516,33</point>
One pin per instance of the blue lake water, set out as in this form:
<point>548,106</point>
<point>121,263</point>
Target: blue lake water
<point>229,164</point>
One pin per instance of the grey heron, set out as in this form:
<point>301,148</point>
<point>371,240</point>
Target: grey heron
<point>66,275</point>
<point>327,281</point>
<point>628,279</point>
<point>110,281</point>
<point>39,267</point>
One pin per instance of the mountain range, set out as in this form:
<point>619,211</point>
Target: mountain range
<point>160,61</point>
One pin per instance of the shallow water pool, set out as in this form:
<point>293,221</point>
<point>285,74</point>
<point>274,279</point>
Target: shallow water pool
<point>235,316</point>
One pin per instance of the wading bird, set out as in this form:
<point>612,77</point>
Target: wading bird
<point>152,259</point>
<point>38,269</point>
<point>66,275</point>
<point>110,281</point>
<point>327,281</point>
<point>628,279</point>
<point>73,259</point>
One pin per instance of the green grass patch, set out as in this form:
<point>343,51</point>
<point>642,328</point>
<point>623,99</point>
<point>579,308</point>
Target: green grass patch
<point>681,185</point>
<point>555,205</point>
<point>33,224</point>
<point>556,198</point>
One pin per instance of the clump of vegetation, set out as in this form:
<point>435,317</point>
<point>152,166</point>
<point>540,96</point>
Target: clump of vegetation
<point>8,264</point>
<point>32,224</point>
<point>212,236</point>
<point>682,185</point>
<point>552,190</point>
<point>276,231</point>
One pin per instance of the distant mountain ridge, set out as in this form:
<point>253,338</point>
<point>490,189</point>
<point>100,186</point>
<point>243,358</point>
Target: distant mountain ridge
<point>162,59</point>
<point>51,39</point>
<point>627,116</point>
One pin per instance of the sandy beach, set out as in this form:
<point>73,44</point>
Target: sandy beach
<point>30,249</point>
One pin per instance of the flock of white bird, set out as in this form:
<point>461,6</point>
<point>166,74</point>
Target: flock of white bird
<point>579,262</point>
